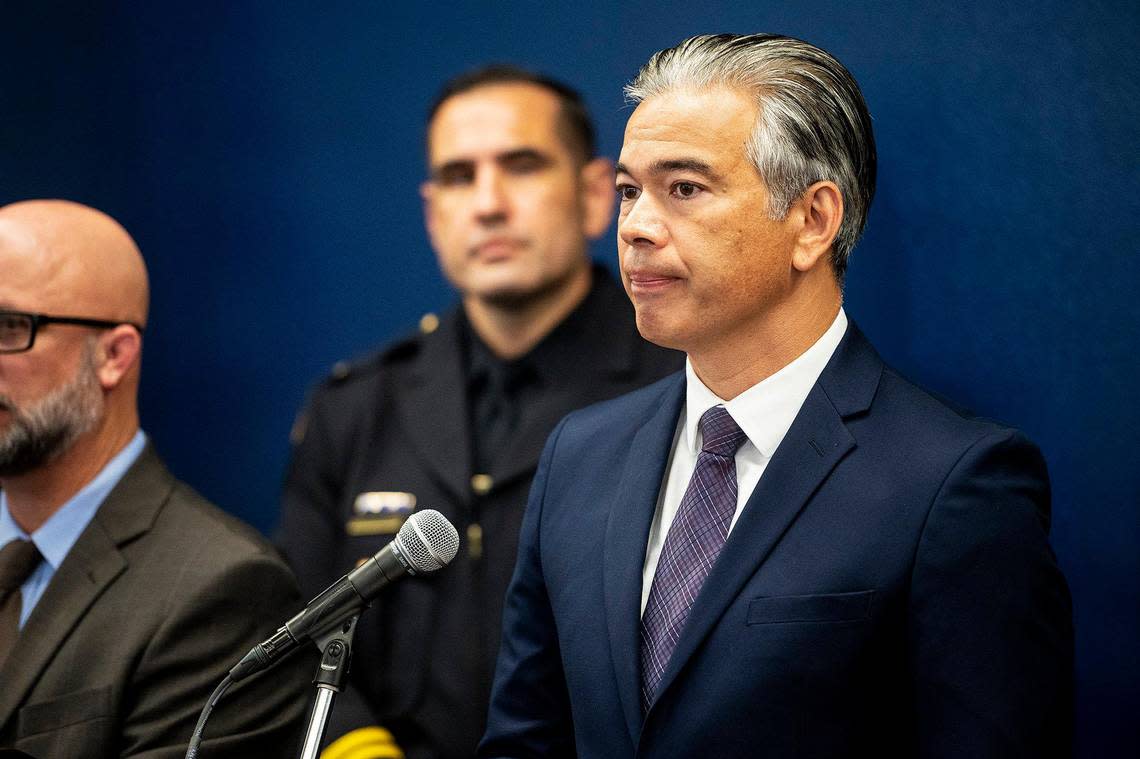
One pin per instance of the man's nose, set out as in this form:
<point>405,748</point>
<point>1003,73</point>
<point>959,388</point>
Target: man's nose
<point>641,223</point>
<point>490,202</point>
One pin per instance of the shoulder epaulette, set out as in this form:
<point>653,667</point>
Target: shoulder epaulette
<point>400,348</point>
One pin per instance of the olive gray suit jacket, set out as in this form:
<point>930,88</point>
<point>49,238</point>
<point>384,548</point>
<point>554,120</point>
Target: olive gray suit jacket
<point>161,594</point>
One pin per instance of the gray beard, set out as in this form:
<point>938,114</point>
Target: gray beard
<point>45,430</point>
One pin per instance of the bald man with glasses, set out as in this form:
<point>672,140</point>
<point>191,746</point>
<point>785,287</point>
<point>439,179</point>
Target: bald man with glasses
<point>124,596</point>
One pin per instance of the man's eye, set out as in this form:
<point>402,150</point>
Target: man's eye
<point>686,189</point>
<point>627,192</point>
<point>454,176</point>
<point>525,163</point>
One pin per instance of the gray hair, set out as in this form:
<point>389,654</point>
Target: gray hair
<point>813,124</point>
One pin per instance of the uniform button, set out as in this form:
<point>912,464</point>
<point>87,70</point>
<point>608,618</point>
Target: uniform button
<point>475,540</point>
<point>341,369</point>
<point>429,323</point>
<point>482,484</point>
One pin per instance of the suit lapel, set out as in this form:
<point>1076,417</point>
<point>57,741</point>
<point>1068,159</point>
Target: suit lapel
<point>437,401</point>
<point>817,440</point>
<point>627,534</point>
<point>92,564</point>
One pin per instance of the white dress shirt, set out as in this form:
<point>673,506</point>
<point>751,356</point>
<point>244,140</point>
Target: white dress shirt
<point>764,412</point>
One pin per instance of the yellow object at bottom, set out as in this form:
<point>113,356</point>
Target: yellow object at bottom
<point>364,743</point>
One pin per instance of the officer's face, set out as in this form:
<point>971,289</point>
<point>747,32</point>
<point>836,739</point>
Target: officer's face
<point>509,207</point>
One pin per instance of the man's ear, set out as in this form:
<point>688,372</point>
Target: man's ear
<point>821,209</point>
<point>119,350</point>
<point>596,183</point>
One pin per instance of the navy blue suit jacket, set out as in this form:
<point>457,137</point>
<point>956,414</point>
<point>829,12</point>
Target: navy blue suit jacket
<point>888,590</point>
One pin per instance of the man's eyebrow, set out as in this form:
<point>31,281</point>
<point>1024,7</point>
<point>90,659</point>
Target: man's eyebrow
<point>527,152</point>
<point>668,165</point>
<point>508,156</point>
<point>449,167</point>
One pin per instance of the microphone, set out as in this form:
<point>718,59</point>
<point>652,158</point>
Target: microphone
<point>426,542</point>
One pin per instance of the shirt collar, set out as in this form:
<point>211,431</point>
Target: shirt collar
<point>485,368</point>
<point>58,534</point>
<point>559,354</point>
<point>766,410</point>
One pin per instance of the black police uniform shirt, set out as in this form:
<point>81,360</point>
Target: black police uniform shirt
<point>436,421</point>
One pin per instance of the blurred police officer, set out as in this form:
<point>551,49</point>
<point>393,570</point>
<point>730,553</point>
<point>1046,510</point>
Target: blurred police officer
<point>455,416</point>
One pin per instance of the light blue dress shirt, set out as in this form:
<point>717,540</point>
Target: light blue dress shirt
<point>58,534</point>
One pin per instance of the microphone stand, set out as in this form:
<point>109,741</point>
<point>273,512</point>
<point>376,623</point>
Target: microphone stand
<point>336,658</point>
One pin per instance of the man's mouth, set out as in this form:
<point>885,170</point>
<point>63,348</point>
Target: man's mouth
<point>497,248</point>
<point>648,282</point>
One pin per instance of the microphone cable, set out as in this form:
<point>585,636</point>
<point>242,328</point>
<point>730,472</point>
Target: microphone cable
<point>196,738</point>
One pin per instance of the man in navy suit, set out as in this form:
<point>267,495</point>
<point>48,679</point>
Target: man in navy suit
<point>788,550</point>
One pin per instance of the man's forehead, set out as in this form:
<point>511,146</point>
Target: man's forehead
<point>689,129</point>
<point>15,237</point>
<point>32,283</point>
<point>41,272</point>
<point>23,259</point>
<point>493,120</point>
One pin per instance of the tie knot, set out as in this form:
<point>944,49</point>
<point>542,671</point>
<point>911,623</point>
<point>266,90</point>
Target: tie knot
<point>720,432</point>
<point>17,560</point>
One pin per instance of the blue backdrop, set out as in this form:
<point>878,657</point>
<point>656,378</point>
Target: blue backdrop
<point>267,157</point>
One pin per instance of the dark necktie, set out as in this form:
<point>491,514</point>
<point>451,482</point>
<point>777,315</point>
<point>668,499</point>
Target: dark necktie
<point>18,559</point>
<point>497,412</point>
<point>695,539</point>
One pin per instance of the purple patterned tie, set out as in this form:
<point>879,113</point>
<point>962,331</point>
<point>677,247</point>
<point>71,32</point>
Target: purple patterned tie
<point>692,545</point>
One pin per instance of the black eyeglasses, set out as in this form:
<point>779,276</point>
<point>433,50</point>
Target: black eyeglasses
<point>18,328</point>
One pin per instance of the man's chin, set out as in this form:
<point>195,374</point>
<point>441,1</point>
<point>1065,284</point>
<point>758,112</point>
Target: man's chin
<point>508,297</point>
<point>22,451</point>
<point>656,328</point>
<point>505,291</point>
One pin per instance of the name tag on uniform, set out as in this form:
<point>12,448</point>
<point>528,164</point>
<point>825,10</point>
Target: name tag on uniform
<point>380,512</point>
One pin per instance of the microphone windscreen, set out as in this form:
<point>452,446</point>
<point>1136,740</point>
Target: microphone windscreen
<point>428,540</point>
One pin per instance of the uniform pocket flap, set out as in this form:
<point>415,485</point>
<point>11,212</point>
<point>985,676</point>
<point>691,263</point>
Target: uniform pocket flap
<point>829,607</point>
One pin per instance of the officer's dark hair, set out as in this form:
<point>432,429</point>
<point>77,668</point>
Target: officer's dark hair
<point>575,127</point>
